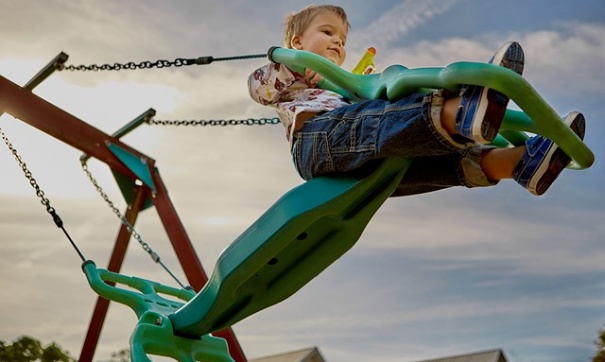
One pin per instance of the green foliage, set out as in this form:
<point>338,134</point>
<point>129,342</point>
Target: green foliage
<point>54,353</point>
<point>600,344</point>
<point>28,349</point>
<point>122,355</point>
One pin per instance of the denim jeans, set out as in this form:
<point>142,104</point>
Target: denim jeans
<point>346,139</point>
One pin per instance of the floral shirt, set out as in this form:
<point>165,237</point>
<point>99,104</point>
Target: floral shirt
<point>277,86</point>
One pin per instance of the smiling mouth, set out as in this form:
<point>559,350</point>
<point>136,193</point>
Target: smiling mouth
<point>335,51</point>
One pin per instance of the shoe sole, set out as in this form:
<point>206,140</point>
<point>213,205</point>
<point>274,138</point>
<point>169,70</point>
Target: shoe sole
<point>556,159</point>
<point>492,104</point>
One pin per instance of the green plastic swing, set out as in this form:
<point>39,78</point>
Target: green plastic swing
<point>315,223</point>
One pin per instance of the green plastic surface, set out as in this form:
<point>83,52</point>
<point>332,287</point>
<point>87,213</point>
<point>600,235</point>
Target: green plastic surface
<point>153,333</point>
<point>137,165</point>
<point>271,260</point>
<point>397,81</point>
<point>297,238</point>
<point>126,183</point>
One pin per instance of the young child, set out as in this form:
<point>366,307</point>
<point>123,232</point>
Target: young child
<point>446,135</point>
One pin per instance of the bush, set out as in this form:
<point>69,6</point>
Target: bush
<point>28,349</point>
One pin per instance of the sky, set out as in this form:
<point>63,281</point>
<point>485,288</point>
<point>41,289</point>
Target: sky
<point>446,273</point>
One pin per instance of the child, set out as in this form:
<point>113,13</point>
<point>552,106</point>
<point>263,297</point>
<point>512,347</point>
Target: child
<point>446,135</point>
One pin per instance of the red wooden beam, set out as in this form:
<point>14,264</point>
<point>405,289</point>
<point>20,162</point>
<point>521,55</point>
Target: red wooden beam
<point>115,264</point>
<point>24,105</point>
<point>183,248</point>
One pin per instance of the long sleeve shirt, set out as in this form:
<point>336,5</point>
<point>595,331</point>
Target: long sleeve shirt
<point>277,86</point>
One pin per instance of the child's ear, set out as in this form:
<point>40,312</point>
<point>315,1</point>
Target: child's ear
<point>295,42</point>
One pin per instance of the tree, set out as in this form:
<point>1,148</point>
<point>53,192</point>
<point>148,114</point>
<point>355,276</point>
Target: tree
<point>600,343</point>
<point>122,355</point>
<point>54,353</point>
<point>28,349</point>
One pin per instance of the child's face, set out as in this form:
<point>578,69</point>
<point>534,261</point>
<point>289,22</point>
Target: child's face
<point>325,36</point>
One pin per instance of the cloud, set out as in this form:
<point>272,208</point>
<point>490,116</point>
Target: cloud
<point>554,58</point>
<point>399,20</point>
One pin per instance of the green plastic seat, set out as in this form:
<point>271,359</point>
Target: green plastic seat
<point>154,333</point>
<point>296,239</point>
<point>304,232</point>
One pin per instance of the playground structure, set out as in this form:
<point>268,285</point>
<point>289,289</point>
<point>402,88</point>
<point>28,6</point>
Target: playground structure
<point>290,244</point>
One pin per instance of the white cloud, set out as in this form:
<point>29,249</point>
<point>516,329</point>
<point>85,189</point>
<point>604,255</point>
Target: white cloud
<point>399,20</point>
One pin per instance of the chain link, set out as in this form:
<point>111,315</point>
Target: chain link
<point>130,65</point>
<point>46,202</point>
<point>154,256</point>
<point>28,174</point>
<point>32,181</point>
<point>116,211</point>
<point>213,122</point>
<point>178,62</point>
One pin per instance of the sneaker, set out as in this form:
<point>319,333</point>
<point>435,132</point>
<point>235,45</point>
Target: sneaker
<point>482,109</point>
<point>543,160</point>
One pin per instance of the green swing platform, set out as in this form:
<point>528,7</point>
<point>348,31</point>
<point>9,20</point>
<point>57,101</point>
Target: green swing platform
<point>315,223</point>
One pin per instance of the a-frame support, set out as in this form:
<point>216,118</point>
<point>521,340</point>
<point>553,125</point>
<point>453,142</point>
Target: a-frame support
<point>24,105</point>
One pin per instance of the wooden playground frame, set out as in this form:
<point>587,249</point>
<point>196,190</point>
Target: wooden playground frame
<point>24,105</point>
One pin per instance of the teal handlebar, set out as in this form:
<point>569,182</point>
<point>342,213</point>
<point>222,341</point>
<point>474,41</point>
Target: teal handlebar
<point>397,81</point>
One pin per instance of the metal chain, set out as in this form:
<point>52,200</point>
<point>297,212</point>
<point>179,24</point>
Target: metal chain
<point>57,219</point>
<point>213,122</point>
<point>154,256</point>
<point>178,62</point>
<point>27,173</point>
<point>32,181</point>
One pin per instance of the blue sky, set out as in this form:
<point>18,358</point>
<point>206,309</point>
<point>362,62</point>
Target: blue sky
<point>446,273</point>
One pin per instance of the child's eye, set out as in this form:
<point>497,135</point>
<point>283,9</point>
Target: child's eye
<point>327,32</point>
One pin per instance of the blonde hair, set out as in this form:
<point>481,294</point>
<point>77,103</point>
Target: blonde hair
<point>297,23</point>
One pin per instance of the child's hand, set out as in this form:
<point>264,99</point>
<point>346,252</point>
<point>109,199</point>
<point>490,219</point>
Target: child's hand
<point>312,77</point>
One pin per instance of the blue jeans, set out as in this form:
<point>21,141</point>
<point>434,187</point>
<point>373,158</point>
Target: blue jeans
<point>349,138</point>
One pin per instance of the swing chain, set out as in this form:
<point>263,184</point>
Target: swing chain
<point>29,176</point>
<point>43,199</point>
<point>115,210</point>
<point>154,256</point>
<point>178,62</point>
<point>213,122</point>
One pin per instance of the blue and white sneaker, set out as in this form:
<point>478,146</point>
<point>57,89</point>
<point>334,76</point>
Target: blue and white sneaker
<point>543,160</point>
<point>482,109</point>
